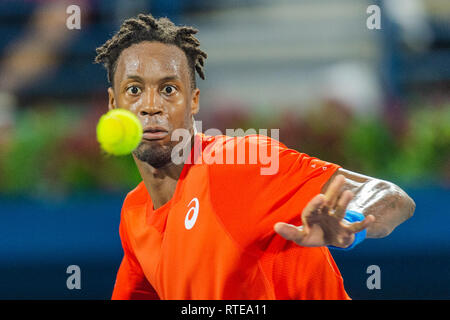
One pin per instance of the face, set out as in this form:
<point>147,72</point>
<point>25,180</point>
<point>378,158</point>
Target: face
<point>152,80</point>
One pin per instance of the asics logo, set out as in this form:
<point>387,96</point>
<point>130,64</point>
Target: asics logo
<point>192,214</point>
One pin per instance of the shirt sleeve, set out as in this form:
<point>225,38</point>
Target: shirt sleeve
<point>249,203</point>
<point>131,283</point>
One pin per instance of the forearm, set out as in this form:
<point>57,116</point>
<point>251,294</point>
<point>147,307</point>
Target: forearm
<point>388,203</point>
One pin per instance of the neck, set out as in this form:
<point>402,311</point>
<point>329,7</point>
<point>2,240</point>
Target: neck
<point>160,182</point>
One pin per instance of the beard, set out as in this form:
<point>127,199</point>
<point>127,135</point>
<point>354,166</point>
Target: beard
<point>157,156</point>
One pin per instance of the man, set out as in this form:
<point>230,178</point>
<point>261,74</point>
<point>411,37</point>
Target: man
<point>197,230</point>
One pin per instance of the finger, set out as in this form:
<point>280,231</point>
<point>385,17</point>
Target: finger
<point>290,232</point>
<point>359,226</point>
<point>314,204</point>
<point>342,205</point>
<point>312,208</point>
<point>333,191</point>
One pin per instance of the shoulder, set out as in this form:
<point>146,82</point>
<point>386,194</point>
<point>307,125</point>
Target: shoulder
<point>225,142</point>
<point>136,198</point>
<point>255,155</point>
<point>251,149</point>
<point>133,210</point>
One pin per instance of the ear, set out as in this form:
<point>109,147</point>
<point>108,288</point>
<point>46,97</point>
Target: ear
<point>111,99</point>
<point>195,101</point>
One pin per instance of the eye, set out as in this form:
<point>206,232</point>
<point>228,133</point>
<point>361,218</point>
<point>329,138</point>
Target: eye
<point>169,89</point>
<point>133,90</point>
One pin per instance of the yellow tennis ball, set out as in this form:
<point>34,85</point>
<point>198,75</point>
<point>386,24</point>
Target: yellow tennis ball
<point>119,132</point>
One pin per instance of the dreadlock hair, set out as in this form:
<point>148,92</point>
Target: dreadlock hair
<point>146,28</point>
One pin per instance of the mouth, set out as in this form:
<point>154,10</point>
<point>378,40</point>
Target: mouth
<point>154,133</point>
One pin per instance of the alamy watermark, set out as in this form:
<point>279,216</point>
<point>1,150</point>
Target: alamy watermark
<point>374,20</point>
<point>73,21</point>
<point>374,280</point>
<point>258,151</point>
<point>74,280</point>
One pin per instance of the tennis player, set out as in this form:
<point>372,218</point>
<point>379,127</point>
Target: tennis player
<point>214,230</point>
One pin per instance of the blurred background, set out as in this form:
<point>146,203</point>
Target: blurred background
<point>375,101</point>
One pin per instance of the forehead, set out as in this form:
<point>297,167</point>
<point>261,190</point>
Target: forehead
<point>151,60</point>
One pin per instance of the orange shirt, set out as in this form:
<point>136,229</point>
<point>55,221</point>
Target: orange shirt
<point>215,240</point>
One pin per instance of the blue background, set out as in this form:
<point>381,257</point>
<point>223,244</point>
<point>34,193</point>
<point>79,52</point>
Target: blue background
<point>40,239</point>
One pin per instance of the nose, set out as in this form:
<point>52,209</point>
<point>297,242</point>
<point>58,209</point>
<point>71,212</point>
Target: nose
<point>151,104</point>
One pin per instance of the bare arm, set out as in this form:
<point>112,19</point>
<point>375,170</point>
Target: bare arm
<point>387,202</point>
<point>383,204</point>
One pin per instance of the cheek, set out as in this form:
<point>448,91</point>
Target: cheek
<point>131,105</point>
<point>179,114</point>
<point>134,106</point>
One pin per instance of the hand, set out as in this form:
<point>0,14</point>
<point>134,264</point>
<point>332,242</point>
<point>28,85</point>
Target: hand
<point>322,220</point>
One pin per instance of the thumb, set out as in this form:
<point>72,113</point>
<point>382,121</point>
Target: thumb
<point>290,232</point>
